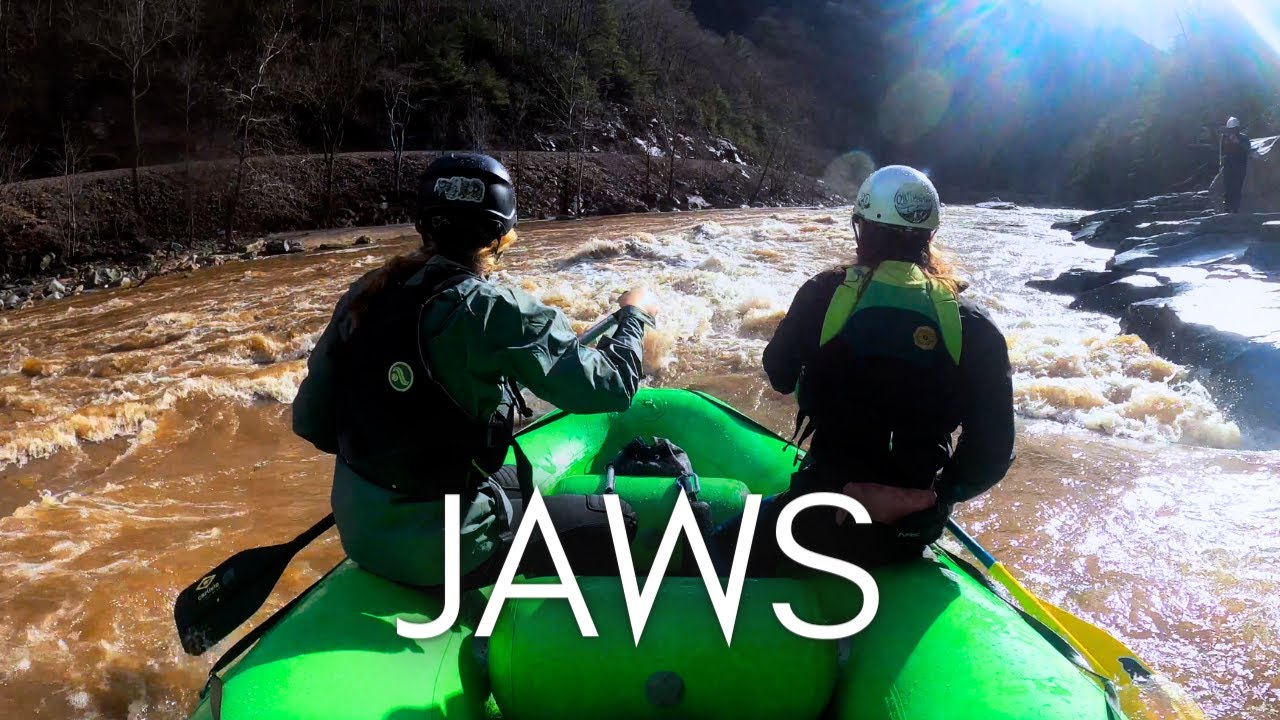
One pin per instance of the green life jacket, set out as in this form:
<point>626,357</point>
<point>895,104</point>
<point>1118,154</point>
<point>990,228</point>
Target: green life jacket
<point>894,313</point>
<point>901,286</point>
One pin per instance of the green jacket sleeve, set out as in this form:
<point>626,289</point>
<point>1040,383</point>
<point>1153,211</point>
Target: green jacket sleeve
<point>538,349</point>
<point>315,409</point>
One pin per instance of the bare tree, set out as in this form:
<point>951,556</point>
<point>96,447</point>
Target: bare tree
<point>68,164</point>
<point>519,113</point>
<point>14,157</point>
<point>589,108</point>
<point>129,31</point>
<point>566,91</point>
<point>327,88</point>
<point>671,116</point>
<point>476,123</point>
<point>398,88</point>
<point>780,139</point>
<point>190,69</point>
<point>246,96</point>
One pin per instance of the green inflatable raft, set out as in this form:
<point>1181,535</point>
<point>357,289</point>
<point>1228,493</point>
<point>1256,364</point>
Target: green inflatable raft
<point>942,645</point>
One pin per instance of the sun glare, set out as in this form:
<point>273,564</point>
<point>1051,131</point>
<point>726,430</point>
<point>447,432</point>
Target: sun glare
<point>1264,16</point>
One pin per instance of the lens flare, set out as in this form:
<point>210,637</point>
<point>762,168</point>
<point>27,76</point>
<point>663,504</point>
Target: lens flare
<point>914,105</point>
<point>1265,19</point>
<point>846,172</point>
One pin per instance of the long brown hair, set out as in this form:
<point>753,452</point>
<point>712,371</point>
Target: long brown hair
<point>400,268</point>
<point>878,242</point>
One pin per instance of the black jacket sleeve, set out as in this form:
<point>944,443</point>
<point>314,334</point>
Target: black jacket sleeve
<point>985,449</point>
<point>795,342</point>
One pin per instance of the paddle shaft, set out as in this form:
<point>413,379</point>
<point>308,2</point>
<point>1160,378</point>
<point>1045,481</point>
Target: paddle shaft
<point>595,332</point>
<point>1025,597</point>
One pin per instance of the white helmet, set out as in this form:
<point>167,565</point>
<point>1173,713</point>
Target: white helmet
<point>1233,122</point>
<point>899,195</point>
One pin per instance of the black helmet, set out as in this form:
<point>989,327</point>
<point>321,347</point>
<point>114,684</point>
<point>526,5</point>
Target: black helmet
<point>466,199</point>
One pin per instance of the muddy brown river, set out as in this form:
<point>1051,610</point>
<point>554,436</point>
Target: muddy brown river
<point>144,437</point>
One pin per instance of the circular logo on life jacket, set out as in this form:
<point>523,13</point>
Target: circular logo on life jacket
<point>926,338</point>
<point>400,376</point>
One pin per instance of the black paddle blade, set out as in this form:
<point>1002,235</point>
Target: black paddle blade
<point>218,603</point>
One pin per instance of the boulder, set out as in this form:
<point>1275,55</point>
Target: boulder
<point>1172,249</point>
<point>281,246</point>
<point>1245,372</point>
<point>997,204</point>
<point>105,277</point>
<point>1076,281</point>
<point>253,248</point>
<point>1246,223</point>
<point>1116,297</point>
<point>1270,231</point>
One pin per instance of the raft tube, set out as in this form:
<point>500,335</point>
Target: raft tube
<point>942,645</point>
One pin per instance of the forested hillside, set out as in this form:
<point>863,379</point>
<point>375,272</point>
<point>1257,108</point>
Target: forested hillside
<point>989,97</point>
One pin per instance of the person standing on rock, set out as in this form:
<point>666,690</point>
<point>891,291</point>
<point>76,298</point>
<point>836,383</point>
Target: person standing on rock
<point>886,362</point>
<point>1233,157</point>
<point>413,385</point>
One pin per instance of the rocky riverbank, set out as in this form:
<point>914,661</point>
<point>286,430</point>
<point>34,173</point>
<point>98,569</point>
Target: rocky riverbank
<point>61,236</point>
<point>1201,288</point>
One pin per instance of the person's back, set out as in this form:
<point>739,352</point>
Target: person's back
<point>886,363</point>
<point>413,384</point>
<point>1233,156</point>
<point>1234,146</point>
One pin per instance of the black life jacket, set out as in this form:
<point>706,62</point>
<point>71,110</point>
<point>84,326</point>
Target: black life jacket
<point>398,427</point>
<point>881,393</point>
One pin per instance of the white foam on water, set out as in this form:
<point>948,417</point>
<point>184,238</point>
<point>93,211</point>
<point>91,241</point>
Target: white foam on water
<point>723,287</point>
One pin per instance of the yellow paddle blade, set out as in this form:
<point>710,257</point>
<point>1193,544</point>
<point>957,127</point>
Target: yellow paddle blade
<point>1144,693</point>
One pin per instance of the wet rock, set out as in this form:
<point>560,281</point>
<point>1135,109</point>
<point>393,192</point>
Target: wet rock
<point>1076,281</point>
<point>253,248</point>
<point>55,287</point>
<point>1172,249</point>
<point>1264,256</point>
<point>1270,231</point>
<point>1242,223</point>
<point>1116,297</point>
<point>12,300</point>
<point>281,246</point>
<point>323,247</point>
<point>363,240</point>
<point>105,277</point>
<point>1245,372</point>
<point>997,204</point>
<point>1075,225</point>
